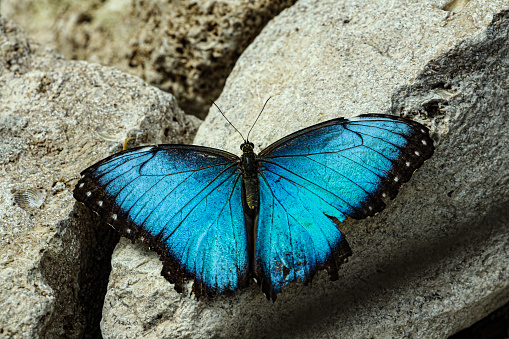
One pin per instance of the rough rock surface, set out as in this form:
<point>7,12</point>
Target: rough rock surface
<point>187,48</point>
<point>436,259</point>
<point>56,118</point>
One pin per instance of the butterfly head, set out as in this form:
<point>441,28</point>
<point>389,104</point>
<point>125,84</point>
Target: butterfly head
<point>247,147</point>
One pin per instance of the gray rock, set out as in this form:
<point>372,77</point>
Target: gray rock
<point>56,118</point>
<point>186,47</point>
<point>437,258</point>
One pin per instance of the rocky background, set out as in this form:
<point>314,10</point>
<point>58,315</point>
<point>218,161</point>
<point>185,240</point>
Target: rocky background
<point>432,264</point>
<point>186,48</point>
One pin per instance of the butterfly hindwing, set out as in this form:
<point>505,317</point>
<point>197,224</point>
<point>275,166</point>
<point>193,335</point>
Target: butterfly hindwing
<point>315,177</point>
<point>295,237</point>
<point>184,201</point>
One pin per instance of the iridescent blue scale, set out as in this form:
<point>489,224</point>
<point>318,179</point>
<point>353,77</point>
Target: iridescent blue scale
<point>192,204</point>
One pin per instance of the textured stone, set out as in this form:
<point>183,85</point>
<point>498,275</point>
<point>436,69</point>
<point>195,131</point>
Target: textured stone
<point>56,118</point>
<point>187,48</point>
<point>436,259</point>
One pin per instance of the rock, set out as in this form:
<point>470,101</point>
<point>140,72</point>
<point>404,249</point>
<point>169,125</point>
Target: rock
<point>436,259</point>
<point>57,117</point>
<point>187,48</point>
<point>433,262</point>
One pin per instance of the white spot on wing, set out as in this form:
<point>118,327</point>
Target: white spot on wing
<point>384,195</point>
<point>424,142</point>
<point>128,230</point>
<point>396,179</point>
<point>82,184</point>
<point>100,203</point>
<point>407,164</point>
<point>114,217</point>
<point>89,193</point>
<point>417,153</point>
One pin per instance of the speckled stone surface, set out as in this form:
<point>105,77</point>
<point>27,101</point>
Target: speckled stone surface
<point>56,118</point>
<point>436,259</point>
<point>187,47</point>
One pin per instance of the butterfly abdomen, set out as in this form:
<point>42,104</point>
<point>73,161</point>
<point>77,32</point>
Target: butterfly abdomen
<point>251,185</point>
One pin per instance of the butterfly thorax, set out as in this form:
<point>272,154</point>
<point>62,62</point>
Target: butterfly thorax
<point>249,169</point>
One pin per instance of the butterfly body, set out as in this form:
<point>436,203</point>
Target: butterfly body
<point>250,170</point>
<point>221,220</point>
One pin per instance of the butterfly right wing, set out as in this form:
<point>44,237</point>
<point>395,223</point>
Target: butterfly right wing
<point>318,176</point>
<point>185,202</point>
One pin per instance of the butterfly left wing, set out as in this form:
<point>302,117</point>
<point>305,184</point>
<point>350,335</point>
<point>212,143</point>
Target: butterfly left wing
<point>185,202</point>
<point>315,177</point>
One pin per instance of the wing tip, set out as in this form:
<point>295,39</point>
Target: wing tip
<point>419,149</point>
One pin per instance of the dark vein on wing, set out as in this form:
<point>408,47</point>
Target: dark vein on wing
<point>163,176</point>
<point>120,165</point>
<point>198,193</point>
<point>140,165</point>
<point>360,134</point>
<point>205,231</point>
<point>295,219</point>
<point>287,221</point>
<point>347,178</point>
<point>187,249</point>
<point>304,157</point>
<point>312,184</point>
<point>200,201</point>
<point>233,230</point>
<point>132,185</point>
<point>131,157</point>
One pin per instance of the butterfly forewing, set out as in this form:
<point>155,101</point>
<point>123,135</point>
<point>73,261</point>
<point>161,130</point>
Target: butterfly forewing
<point>184,201</point>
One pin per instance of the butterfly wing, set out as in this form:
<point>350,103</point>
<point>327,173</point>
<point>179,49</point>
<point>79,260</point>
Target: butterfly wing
<point>185,202</point>
<point>315,177</point>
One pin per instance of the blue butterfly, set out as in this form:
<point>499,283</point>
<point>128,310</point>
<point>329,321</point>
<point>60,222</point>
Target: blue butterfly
<point>223,220</point>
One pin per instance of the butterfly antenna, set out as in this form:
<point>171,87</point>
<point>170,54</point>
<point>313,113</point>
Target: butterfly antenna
<point>224,116</point>
<point>257,117</point>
